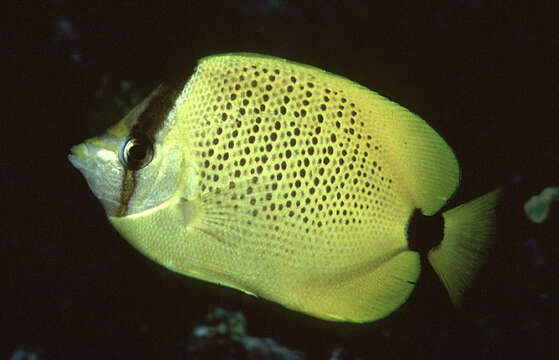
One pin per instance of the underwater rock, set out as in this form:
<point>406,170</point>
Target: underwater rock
<point>224,337</point>
<point>26,353</point>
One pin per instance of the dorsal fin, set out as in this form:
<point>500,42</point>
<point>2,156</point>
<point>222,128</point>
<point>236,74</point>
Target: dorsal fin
<point>425,162</point>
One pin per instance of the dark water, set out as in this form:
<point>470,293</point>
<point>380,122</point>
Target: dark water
<point>484,75</point>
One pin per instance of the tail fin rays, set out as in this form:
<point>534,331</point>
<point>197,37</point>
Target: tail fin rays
<point>468,233</point>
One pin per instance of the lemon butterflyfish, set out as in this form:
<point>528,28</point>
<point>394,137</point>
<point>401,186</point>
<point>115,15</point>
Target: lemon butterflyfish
<point>290,183</point>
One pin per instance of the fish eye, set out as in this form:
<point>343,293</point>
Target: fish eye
<point>136,152</point>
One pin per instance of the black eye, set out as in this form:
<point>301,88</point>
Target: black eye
<point>136,152</point>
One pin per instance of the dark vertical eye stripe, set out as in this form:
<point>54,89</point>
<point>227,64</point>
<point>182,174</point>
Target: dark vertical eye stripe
<point>148,123</point>
<point>126,190</point>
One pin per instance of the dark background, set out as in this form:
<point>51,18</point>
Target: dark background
<point>484,75</point>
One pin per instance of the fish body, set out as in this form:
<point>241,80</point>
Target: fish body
<point>288,182</point>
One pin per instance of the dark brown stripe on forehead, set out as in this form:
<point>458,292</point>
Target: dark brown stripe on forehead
<point>151,119</point>
<point>147,124</point>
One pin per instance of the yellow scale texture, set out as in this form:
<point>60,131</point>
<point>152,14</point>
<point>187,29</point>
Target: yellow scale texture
<point>293,176</point>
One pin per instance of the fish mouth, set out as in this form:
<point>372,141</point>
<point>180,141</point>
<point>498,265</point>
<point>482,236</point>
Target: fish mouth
<point>78,156</point>
<point>102,170</point>
<point>90,155</point>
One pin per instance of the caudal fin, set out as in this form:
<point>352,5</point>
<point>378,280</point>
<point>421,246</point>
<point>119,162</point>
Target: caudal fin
<point>468,232</point>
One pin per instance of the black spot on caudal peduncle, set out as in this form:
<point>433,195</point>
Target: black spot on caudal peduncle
<point>425,232</point>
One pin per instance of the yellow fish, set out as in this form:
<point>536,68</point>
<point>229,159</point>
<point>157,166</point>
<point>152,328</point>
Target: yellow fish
<point>290,183</point>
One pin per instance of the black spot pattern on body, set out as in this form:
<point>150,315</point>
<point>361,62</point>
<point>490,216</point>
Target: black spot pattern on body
<point>290,148</point>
